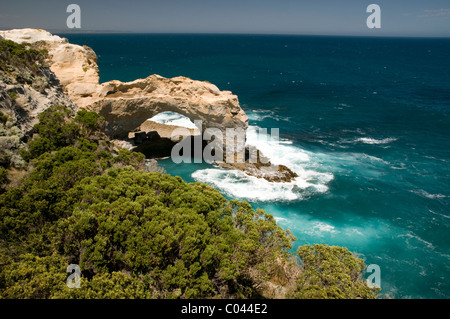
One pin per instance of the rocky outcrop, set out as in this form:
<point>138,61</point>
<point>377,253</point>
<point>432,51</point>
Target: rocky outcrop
<point>256,164</point>
<point>27,84</point>
<point>24,102</point>
<point>28,35</point>
<point>75,66</point>
<point>166,130</point>
<point>270,172</point>
<point>126,105</point>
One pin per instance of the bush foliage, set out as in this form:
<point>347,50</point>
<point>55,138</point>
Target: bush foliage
<point>331,272</point>
<point>21,56</point>
<point>137,234</point>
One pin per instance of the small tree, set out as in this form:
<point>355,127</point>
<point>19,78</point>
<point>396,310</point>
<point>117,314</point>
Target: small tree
<point>55,125</point>
<point>331,272</point>
<point>90,122</point>
<point>3,177</point>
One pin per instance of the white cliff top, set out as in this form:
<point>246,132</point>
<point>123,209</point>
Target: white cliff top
<point>30,36</point>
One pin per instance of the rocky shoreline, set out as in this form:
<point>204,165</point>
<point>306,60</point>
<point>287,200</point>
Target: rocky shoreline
<point>71,77</point>
<point>262,168</point>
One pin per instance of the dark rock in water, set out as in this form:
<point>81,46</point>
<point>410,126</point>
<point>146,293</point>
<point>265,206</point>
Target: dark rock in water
<point>151,144</point>
<point>153,135</point>
<point>155,148</point>
<point>139,137</point>
<point>262,168</point>
<point>143,137</point>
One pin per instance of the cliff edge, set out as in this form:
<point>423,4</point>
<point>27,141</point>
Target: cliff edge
<point>71,77</point>
<point>126,105</point>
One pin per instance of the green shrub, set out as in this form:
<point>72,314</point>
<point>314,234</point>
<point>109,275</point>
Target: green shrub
<point>37,147</point>
<point>128,158</point>
<point>3,177</point>
<point>33,277</point>
<point>142,235</point>
<point>12,95</point>
<point>22,56</point>
<point>89,122</point>
<point>3,118</point>
<point>55,125</point>
<point>331,272</point>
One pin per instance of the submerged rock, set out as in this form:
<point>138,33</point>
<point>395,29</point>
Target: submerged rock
<point>262,168</point>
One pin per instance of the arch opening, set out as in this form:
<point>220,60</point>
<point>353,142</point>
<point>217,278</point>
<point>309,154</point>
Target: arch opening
<point>154,137</point>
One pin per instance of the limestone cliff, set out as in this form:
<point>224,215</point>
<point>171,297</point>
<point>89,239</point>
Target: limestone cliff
<point>72,78</point>
<point>127,105</point>
<point>27,84</point>
<point>75,66</point>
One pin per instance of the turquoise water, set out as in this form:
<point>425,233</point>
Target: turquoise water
<point>365,122</point>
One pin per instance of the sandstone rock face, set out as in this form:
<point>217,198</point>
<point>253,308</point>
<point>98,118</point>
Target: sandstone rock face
<point>127,105</point>
<point>28,102</point>
<point>24,93</point>
<point>75,66</point>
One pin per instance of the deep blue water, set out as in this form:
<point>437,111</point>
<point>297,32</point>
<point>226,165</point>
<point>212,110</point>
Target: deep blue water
<point>364,121</point>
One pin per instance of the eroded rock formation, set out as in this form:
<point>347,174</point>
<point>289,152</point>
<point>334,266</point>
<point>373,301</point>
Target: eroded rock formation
<point>27,88</point>
<point>127,105</point>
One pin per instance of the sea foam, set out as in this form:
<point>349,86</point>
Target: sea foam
<point>240,185</point>
<point>368,140</point>
<point>173,118</point>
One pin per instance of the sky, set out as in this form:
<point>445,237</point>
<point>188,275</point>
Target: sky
<point>421,18</point>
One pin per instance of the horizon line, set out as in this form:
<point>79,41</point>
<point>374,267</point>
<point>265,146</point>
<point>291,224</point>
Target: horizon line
<point>65,31</point>
<point>247,34</point>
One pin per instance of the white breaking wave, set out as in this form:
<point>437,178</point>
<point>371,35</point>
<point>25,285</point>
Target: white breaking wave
<point>442,215</point>
<point>240,185</point>
<point>260,115</point>
<point>279,219</point>
<point>424,193</point>
<point>320,229</point>
<point>410,236</point>
<point>368,140</point>
<point>323,227</point>
<point>173,118</point>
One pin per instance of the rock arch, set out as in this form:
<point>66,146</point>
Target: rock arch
<point>126,106</point>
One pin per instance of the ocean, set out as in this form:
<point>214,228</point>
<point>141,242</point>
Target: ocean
<point>365,123</point>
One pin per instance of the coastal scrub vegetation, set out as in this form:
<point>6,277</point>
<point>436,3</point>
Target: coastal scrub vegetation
<point>140,234</point>
<point>330,272</point>
<point>10,146</point>
<point>15,56</point>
